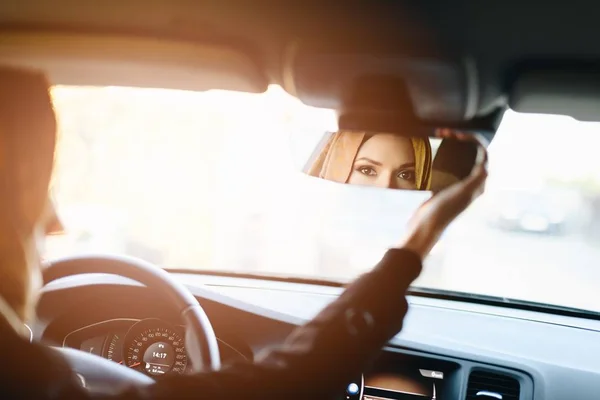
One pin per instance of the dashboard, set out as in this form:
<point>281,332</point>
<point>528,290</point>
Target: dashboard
<point>446,350</point>
<point>156,347</point>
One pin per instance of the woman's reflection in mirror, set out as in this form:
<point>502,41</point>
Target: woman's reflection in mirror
<point>381,160</point>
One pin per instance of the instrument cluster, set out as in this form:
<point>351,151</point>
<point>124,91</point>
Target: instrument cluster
<point>152,346</point>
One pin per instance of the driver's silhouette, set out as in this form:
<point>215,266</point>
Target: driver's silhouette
<point>316,361</point>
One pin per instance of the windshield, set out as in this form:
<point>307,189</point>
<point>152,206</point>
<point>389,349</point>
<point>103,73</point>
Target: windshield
<point>212,181</point>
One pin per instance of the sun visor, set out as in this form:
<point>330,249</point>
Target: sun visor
<point>556,92</point>
<point>101,60</point>
<point>438,90</point>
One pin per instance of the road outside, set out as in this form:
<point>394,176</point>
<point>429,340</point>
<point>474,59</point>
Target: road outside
<point>478,258</point>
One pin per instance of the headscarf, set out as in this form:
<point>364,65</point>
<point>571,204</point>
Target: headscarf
<point>27,141</point>
<point>335,161</point>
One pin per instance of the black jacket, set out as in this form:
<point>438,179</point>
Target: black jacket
<point>316,362</point>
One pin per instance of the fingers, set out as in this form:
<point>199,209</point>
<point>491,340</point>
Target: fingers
<point>481,143</point>
<point>443,207</point>
<point>469,189</point>
<point>447,133</point>
<point>477,178</point>
<point>455,199</point>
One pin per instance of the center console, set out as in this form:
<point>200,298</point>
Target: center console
<point>408,375</point>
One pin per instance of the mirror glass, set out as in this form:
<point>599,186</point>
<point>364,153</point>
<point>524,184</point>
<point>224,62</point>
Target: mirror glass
<point>394,161</point>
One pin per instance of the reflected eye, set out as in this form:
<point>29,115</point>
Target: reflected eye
<point>366,170</point>
<point>407,175</point>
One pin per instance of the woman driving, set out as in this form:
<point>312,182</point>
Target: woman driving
<point>382,160</point>
<point>316,360</point>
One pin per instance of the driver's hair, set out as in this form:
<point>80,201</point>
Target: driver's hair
<point>27,142</point>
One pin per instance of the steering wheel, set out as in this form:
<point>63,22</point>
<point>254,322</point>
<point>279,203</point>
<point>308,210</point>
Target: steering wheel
<point>96,372</point>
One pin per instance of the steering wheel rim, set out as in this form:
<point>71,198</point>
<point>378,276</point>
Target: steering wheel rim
<point>200,338</point>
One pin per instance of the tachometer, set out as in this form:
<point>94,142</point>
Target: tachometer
<point>114,347</point>
<point>156,348</point>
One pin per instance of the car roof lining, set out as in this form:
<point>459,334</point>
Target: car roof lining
<point>483,43</point>
<point>111,60</point>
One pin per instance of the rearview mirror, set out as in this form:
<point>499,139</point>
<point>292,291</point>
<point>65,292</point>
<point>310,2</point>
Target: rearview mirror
<point>394,161</point>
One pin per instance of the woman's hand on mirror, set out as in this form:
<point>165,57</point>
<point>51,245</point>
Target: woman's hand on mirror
<point>430,220</point>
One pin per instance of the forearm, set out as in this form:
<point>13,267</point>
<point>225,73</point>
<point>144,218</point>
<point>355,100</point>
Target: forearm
<point>338,344</point>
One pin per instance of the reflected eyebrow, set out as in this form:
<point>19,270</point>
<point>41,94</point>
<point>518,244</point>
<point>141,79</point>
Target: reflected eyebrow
<point>407,165</point>
<point>368,160</point>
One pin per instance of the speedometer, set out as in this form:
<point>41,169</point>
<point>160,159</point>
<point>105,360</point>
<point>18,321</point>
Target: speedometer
<point>155,348</point>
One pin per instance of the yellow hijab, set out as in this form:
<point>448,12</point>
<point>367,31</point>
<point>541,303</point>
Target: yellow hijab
<point>335,161</point>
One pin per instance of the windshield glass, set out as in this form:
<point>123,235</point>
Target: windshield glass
<point>212,181</point>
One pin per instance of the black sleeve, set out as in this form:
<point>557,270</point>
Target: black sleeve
<point>318,359</point>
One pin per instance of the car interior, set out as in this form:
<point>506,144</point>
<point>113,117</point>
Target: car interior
<point>474,331</point>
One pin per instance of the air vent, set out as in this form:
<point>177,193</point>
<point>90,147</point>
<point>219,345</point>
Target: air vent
<point>485,385</point>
